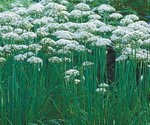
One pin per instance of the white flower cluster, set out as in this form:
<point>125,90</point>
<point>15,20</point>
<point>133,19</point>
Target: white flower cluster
<point>55,60</point>
<point>105,8</point>
<point>35,60</point>
<point>115,16</point>
<point>36,8</point>
<point>102,88</point>
<point>2,60</point>
<point>72,73</point>
<point>102,42</point>
<point>50,29</point>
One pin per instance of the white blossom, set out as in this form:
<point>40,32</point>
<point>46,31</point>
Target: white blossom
<point>35,60</point>
<point>82,7</point>
<point>55,59</point>
<point>77,81</point>
<point>101,90</point>
<point>62,34</point>
<point>20,57</point>
<point>126,21</point>
<point>105,8</point>
<point>35,8</point>
<point>28,36</point>
<point>35,47</point>
<point>72,73</point>
<point>48,41</point>
<point>102,42</point>
<point>122,58</point>
<point>94,17</point>
<point>132,17</point>
<point>2,60</point>
<point>104,29</point>
<point>103,85</point>
<point>115,16</point>
<point>55,6</point>
<point>87,64</point>
<point>11,36</point>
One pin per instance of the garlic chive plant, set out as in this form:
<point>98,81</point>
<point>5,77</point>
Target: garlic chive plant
<point>54,65</point>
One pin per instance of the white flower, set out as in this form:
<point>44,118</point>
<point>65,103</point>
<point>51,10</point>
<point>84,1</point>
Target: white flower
<point>87,13</point>
<point>43,21</point>
<point>6,29</point>
<point>146,42</point>
<point>87,64</point>
<point>22,11</point>
<point>93,39</point>
<point>35,47</point>
<point>77,81</point>
<point>35,60</point>
<point>62,34</point>
<point>101,90</point>
<point>24,24</point>
<point>74,47</point>
<point>63,52</point>
<point>139,54</point>
<point>11,37</point>
<point>132,37</point>
<point>126,21</point>
<point>20,47</point>
<point>86,1</point>
<point>1,49</point>
<point>2,60</point>
<point>8,17</point>
<point>7,48</point>
<point>55,6</point>
<point>104,29</point>
<point>98,23</point>
<point>103,85</point>
<point>132,17</point>
<point>115,16</point>
<point>53,26</point>
<point>18,31</point>
<point>35,8</point>
<point>88,26</point>
<point>72,73</point>
<point>70,26</point>
<point>138,26</point>
<point>20,57</point>
<point>121,31</point>
<point>28,54</point>
<point>82,7</point>
<point>64,2</point>
<point>48,41</point>
<point>102,42</point>
<point>122,58</point>
<point>105,8</point>
<point>76,13</point>
<point>142,23</point>
<point>94,17</point>
<point>115,38</point>
<point>82,35</point>
<point>66,59</point>
<point>51,50</point>
<point>63,42</point>
<point>55,59</point>
<point>28,36</point>
<point>42,32</point>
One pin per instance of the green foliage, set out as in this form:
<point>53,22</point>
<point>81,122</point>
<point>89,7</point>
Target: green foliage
<point>142,7</point>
